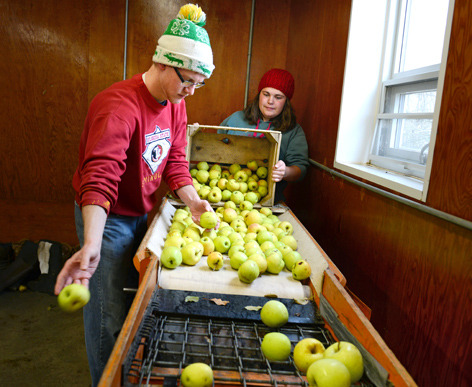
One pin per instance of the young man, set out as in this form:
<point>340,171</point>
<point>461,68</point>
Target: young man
<point>134,136</point>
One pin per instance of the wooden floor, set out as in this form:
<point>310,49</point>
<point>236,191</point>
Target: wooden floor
<point>40,345</point>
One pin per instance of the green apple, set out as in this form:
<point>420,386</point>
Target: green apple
<point>348,354</point>
<point>202,176</point>
<point>193,233</point>
<point>286,226</point>
<point>222,183</point>
<point>274,314</point>
<point>301,270</point>
<point>289,240</point>
<point>179,226</point>
<point>278,232</point>
<point>197,375</point>
<point>252,186</point>
<point>252,244</point>
<point>214,174</point>
<point>276,346</point>
<point>215,195</point>
<point>204,191</point>
<point>230,204</point>
<point>176,241</point>
<point>234,237</point>
<point>267,245</point>
<point>238,225</point>
<point>251,197</point>
<point>208,245</point>
<point>225,230</point>
<point>275,263</point>
<point>212,234</point>
<point>255,228</point>
<point>246,205</point>
<point>216,167</point>
<point>213,183</point>
<point>237,259</point>
<point>248,271</point>
<point>179,215</point>
<point>226,195</point>
<point>173,233</point>
<point>196,185</point>
<point>263,183</point>
<point>253,216</point>
<point>291,258</point>
<point>208,220</point>
<point>252,165</point>
<point>73,297</point>
<point>237,197</point>
<point>263,236</point>
<point>232,185</point>
<point>235,248</point>
<point>193,172</point>
<point>215,260</point>
<point>171,257</point>
<point>253,250</point>
<point>225,173</point>
<point>263,191</point>
<point>262,172</point>
<point>243,187</point>
<point>229,214</point>
<point>191,253</point>
<point>250,236</point>
<point>203,165</point>
<point>269,226</point>
<point>234,168</point>
<point>222,243</point>
<point>260,260</point>
<point>240,176</point>
<point>328,373</point>
<point>307,351</point>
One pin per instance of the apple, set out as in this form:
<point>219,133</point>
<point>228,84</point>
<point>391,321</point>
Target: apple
<point>193,172</point>
<point>214,174</point>
<point>252,244</point>
<point>179,226</point>
<point>348,354</point>
<point>263,183</point>
<point>291,258</point>
<point>230,204</point>
<point>276,346</point>
<point>253,216</point>
<point>254,250</point>
<point>222,183</point>
<point>237,197</point>
<point>215,260</point>
<point>278,232</point>
<point>255,228</point>
<point>240,176</point>
<point>225,231</point>
<point>208,245</point>
<point>203,165</point>
<point>179,215</point>
<point>171,257</point>
<point>252,186</point>
<point>237,259</point>
<point>202,176</point>
<point>222,243</point>
<point>191,253</point>
<point>234,168</point>
<point>289,240</point>
<point>173,233</point>
<point>238,225</point>
<point>328,373</point>
<point>246,205</point>
<point>263,236</point>
<point>197,375</point>
<point>208,220</point>
<point>252,165</point>
<point>232,185</point>
<point>204,191</point>
<point>263,191</point>
<point>274,314</point>
<point>260,260</point>
<point>248,271</point>
<point>176,241</point>
<point>73,297</point>
<point>250,236</point>
<point>275,263</point>
<point>216,167</point>
<point>301,270</point>
<point>193,233</point>
<point>212,234</point>
<point>229,214</point>
<point>267,245</point>
<point>251,197</point>
<point>269,226</point>
<point>213,183</point>
<point>286,226</point>
<point>243,187</point>
<point>262,172</point>
<point>307,351</point>
<point>225,173</point>
<point>235,248</point>
<point>234,237</point>
<point>283,248</point>
<point>215,195</point>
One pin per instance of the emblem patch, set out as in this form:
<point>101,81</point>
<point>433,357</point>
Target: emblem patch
<point>157,148</point>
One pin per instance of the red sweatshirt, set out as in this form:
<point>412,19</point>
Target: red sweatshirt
<point>130,141</point>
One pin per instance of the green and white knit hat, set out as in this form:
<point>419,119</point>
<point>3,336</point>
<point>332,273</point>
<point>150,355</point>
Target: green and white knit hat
<point>185,42</point>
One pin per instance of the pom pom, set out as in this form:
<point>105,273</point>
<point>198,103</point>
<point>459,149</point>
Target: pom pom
<point>193,13</point>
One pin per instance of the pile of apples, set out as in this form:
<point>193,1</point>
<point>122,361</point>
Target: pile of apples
<point>236,183</point>
<point>339,365</point>
<point>255,241</point>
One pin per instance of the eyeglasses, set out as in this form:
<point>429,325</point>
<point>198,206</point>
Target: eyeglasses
<point>188,83</point>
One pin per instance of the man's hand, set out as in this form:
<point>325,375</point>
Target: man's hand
<point>197,206</point>
<point>278,171</point>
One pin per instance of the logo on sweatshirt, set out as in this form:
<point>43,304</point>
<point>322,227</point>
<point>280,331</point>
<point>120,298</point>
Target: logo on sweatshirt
<point>157,148</point>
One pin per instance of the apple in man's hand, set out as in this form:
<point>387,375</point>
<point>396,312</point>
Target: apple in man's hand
<point>276,346</point>
<point>197,375</point>
<point>73,297</point>
<point>208,220</point>
<point>328,373</point>
<point>349,355</point>
<point>306,352</point>
<point>274,314</point>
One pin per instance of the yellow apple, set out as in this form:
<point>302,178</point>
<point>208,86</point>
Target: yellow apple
<point>276,346</point>
<point>306,352</point>
<point>274,314</point>
<point>73,297</point>
<point>197,375</point>
<point>328,373</point>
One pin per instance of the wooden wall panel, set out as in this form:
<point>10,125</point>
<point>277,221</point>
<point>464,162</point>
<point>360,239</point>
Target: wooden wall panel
<point>412,269</point>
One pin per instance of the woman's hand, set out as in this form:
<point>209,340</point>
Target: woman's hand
<point>278,171</point>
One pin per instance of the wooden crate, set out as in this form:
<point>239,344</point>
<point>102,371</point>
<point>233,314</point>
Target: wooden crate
<point>205,144</point>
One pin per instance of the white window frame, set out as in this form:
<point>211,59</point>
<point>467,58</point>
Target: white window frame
<point>366,70</point>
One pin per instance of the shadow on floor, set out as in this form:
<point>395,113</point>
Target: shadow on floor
<point>39,344</point>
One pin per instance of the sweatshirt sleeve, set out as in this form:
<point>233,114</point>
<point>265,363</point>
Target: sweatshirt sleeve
<point>297,150</point>
<point>176,172</point>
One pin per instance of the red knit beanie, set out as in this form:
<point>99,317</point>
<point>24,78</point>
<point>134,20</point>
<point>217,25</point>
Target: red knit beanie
<point>278,79</point>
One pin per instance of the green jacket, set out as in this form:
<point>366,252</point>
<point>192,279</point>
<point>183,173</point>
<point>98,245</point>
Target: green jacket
<point>293,148</point>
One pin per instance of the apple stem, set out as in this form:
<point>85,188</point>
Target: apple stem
<point>339,346</point>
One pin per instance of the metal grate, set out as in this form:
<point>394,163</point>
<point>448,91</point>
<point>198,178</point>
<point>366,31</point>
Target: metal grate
<point>167,342</point>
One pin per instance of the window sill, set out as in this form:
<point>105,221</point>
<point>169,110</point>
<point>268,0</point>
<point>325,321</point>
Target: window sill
<point>409,186</point>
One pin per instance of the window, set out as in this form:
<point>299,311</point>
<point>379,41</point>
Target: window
<point>397,49</point>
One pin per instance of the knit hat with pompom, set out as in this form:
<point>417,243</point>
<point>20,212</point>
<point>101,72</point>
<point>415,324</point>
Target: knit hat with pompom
<point>185,43</point>
<point>278,79</point>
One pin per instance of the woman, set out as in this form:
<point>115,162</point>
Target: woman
<point>271,110</point>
